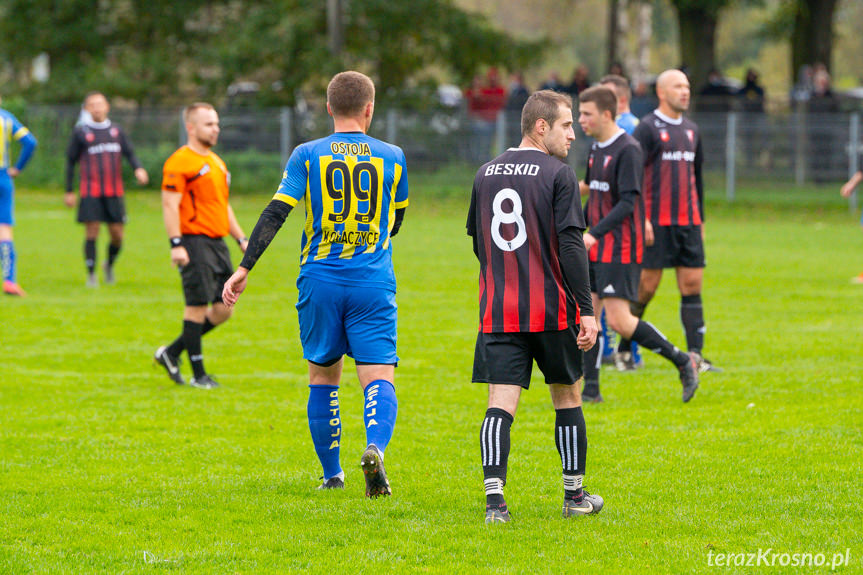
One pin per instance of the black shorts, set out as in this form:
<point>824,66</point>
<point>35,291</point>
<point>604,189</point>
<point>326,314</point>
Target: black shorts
<point>507,358</point>
<point>673,247</point>
<point>110,210</point>
<point>615,280</point>
<point>208,269</point>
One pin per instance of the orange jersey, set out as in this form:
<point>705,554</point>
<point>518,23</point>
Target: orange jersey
<point>204,181</point>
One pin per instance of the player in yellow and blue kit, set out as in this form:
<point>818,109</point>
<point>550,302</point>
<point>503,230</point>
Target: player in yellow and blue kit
<point>355,191</point>
<point>11,129</point>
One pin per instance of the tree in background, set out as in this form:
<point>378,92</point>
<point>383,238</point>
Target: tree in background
<point>166,51</point>
<point>697,23</point>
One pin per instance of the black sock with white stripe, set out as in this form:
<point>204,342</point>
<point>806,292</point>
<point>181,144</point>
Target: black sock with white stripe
<point>570,435</point>
<point>649,337</point>
<point>637,310</point>
<point>494,448</point>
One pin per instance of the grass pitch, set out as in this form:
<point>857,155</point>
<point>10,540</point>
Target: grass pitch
<point>107,467</point>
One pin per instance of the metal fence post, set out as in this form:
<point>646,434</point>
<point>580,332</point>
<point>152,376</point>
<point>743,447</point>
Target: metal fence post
<point>730,156</point>
<point>181,130</point>
<point>800,145</point>
<point>392,125</point>
<point>500,133</point>
<point>853,155</point>
<point>285,128</point>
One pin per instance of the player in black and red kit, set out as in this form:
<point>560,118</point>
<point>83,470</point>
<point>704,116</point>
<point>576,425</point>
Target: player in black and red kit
<point>98,145</point>
<point>526,223</point>
<point>674,204</point>
<point>615,242</point>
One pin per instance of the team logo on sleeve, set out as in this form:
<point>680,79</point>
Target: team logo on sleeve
<point>590,161</point>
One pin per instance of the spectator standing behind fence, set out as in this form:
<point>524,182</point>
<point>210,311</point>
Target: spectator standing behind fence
<point>751,97</point>
<point>580,81</point>
<point>485,99</point>
<point>515,101</point>
<point>98,145</point>
<point>715,96</point>
<point>825,150</point>
<point>846,191</point>
<point>11,129</point>
<point>553,82</point>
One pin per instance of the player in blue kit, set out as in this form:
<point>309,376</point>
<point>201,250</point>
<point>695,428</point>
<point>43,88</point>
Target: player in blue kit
<point>11,129</point>
<point>355,191</point>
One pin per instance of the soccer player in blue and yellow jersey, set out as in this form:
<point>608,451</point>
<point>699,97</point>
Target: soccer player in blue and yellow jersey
<point>355,191</point>
<point>11,129</point>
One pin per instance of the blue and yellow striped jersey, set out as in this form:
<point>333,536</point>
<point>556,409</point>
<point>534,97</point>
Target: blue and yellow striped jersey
<point>352,185</point>
<point>12,129</point>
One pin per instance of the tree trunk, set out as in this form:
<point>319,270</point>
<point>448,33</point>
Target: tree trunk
<point>613,7</point>
<point>697,27</point>
<point>812,37</point>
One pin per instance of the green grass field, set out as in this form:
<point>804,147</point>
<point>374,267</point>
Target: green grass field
<point>107,467</point>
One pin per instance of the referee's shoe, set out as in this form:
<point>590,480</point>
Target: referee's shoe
<point>171,365</point>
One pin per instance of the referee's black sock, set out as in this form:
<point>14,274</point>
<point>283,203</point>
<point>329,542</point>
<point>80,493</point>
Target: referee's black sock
<point>113,251</point>
<point>177,346</point>
<point>637,309</point>
<point>494,448</point>
<point>90,255</point>
<point>649,337</point>
<point>192,341</point>
<point>692,318</point>
<point>570,436</point>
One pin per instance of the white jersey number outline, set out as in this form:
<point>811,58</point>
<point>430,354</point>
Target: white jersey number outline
<point>501,217</point>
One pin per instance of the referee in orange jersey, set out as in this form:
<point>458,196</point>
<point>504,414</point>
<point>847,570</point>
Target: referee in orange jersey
<point>195,187</point>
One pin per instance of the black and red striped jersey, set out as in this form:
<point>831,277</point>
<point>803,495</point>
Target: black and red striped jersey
<point>521,201</point>
<point>672,188</point>
<point>98,147</point>
<point>614,167</point>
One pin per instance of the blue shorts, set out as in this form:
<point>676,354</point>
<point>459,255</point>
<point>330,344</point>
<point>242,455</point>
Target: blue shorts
<point>7,199</point>
<point>337,319</point>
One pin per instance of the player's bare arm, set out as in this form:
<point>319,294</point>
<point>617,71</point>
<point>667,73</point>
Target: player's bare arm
<point>848,188</point>
<point>236,230</point>
<point>171,216</point>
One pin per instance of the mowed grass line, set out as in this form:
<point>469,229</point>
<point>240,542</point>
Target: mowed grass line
<point>107,467</point>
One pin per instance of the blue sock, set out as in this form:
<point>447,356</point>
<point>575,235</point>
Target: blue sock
<point>7,255</point>
<point>325,424</point>
<point>380,413</point>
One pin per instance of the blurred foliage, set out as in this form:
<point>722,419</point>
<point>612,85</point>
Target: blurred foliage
<point>168,51</point>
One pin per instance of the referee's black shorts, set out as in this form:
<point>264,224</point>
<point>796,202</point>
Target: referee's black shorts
<point>208,269</point>
<point>110,210</point>
<point>507,358</point>
<point>675,247</point>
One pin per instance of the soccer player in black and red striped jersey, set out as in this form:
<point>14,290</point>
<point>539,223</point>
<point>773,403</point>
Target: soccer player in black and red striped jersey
<point>98,145</point>
<point>526,223</point>
<point>674,204</point>
<point>615,242</point>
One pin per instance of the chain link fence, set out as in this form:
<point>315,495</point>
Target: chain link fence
<point>794,147</point>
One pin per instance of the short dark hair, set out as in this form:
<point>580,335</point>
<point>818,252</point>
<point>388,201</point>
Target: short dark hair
<point>349,92</point>
<point>191,108</point>
<point>545,105</point>
<point>92,93</point>
<point>604,98</point>
<point>621,85</point>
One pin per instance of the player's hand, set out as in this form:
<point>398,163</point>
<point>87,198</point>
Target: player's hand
<point>69,199</point>
<point>589,241</point>
<point>13,171</point>
<point>587,333</point>
<point>847,189</point>
<point>142,176</point>
<point>648,233</point>
<point>235,285</point>
<point>583,188</point>
<point>179,256</point>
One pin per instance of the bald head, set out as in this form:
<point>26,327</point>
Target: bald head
<point>672,89</point>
